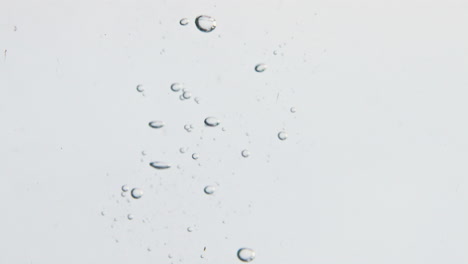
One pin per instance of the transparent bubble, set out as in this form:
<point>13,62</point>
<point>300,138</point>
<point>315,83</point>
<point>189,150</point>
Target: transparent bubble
<point>169,256</point>
<point>197,100</point>
<point>130,217</point>
<point>246,254</point>
<point>160,165</point>
<point>125,188</point>
<point>181,97</point>
<point>188,127</point>
<point>195,156</point>
<point>156,124</point>
<point>184,21</point>
<point>293,109</point>
<point>190,229</point>
<point>182,150</point>
<point>210,189</point>
<point>139,88</point>
<point>212,121</point>
<point>261,67</point>
<point>143,153</point>
<point>245,153</point>
<point>123,194</point>
<point>282,135</point>
<point>275,52</point>
<point>187,95</point>
<point>137,193</point>
<point>175,87</point>
<point>205,23</point>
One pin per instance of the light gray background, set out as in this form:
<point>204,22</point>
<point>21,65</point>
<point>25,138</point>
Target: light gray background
<point>374,169</point>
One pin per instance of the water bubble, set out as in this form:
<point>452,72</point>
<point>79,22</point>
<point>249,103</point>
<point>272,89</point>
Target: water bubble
<point>212,121</point>
<point>182,150</point>
<point>195,156</point>
<point>210,189</point>
<point>188,128</point>
<point>187,95</point>
<point>160,165</point>
<point>184,21</point>
<point>275,52</point>
<point>175,87</point>
<point>156,124</point>
<point>169,256</point>
<point>282,135</point>
<point>260,67</point>
<point>293,109</point>
<point>181,97</point>
<point>190,229</point>
<point>125,188</point>
<point>205,23</point>
<point>245,153</point>
<point>123,194</point>
<point>137,193</point>
<point>246,254</point>
<point>140,88</point>
<point>130,216</point>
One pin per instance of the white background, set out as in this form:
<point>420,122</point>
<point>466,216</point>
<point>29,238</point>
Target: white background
<point>374,169</point>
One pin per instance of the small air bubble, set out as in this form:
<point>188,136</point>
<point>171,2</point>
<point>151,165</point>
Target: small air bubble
<point>184,21</point>
<point>160,165</point>
<point>205,23</point>
<point>187,95</point>
<point>275,52</point>
<point>212,121</point>
<point>245,153</point>
<point>137,193</point>
<point>210,189</point>
<point>190,229</point>
<point>175,87</point>
<point>140,88</point>
<point>156,124</point>
<point>293,109</point>
<point>130,217</point>
<point>246,254</point>
<point>182,150</point>
<point>260,67</point>
<point>123,194</point>
<point>195,156</point>
<point>125,188</point>
<point>282,135</point>
<point>188,127</point>
<point>197,100</point>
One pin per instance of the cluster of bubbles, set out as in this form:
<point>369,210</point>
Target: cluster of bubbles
<point>205,24</point>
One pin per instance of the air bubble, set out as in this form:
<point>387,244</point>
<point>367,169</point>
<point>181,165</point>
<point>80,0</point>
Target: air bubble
<point>175,87</point>
<point>197,100</point>
<point>260,67</point>
<point>182,150</point>
<point>212,121</point>
<point>125,188</point>
<point>195,156</point>
<point>275,52</point>
<point>246,254</point>
<point>210,189</point>
<point>190,229</point>
<point>187,95</point>
<point>205,23</point>
<point>137,193</point>
<point>123,194</point>
<point>160,165</point>
<point>130,217</point>
<point>293,109</point>
<point>139,88</point>
<point>282,135</point>
<point>156,124</point>
<point>245,153</point>
<point>184,21</point>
